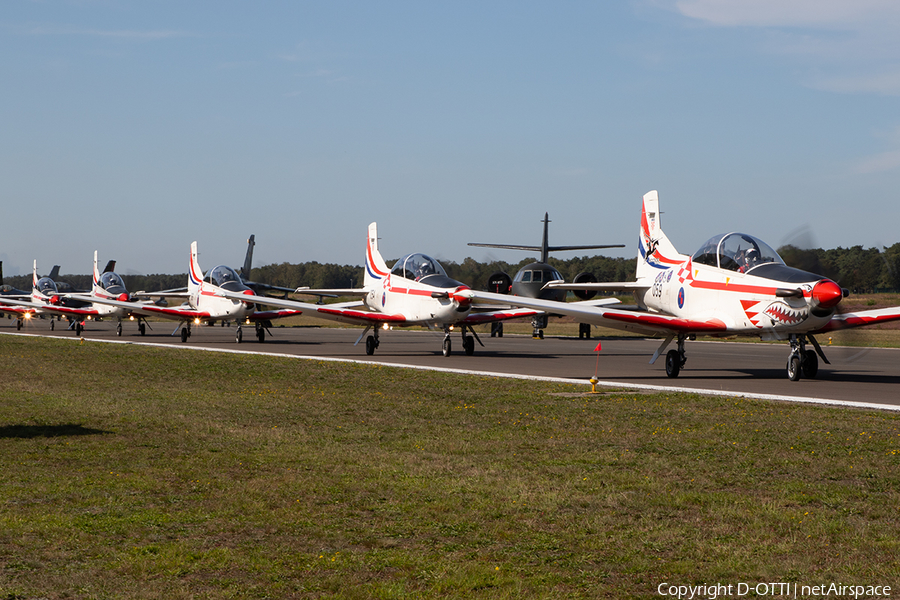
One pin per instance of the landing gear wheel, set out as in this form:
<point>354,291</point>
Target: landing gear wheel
<point>184,334</point>
<point>371,344</point>
<point>142,328</point>
<point>238,336</point>
<point>119,330</point>
<point>673,363</point>
<point>78,328</point>
<point>446,347</point>
<point>51,324</point>
<point>469,346</point>
<point>810,364</point>
<point>261,335</point>
<point>18,324</point>
<point>793,368</point>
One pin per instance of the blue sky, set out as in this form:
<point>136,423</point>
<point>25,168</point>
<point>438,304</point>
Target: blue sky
<point>133,128</point>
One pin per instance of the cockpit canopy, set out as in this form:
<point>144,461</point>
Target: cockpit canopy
<point>225,277</point>
<point>537,273</point>
<point>47,286</point>
<point>417,266</point>
<point>736,252</point>
<point>111,280</point>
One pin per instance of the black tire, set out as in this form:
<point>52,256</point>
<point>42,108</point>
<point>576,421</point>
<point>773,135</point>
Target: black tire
<point>793,367</point>
<point>184,334</point>
<point>261,335</point>
<point>18,324</point>
<point>447,346</point>
<point>810,364</point>
<point>469,346</point>
<point>371,345</point>
<point>673,363</point>
<point>119,330</point>
<point>142,328</point>
<point>238,335</point>
<point>51,324</point>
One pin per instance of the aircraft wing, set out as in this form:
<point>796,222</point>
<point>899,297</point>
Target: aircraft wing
<point>9,308</point>
<point>342,312</point>
<point>861,318</point>
<point>40,307</point>
<point>332,292</point>
<point>620,286</point>
<point>616,318</point>
<point>183,313</point>
<point>477,318</point>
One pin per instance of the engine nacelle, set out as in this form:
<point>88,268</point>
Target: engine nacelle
<point>499,283</point>
<point>584,278</point>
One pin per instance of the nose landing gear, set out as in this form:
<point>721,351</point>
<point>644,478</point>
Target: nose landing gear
<point>803,361</point>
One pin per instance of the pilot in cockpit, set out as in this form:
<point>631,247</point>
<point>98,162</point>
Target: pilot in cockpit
<point>424,270</point>
<point>748,260</point>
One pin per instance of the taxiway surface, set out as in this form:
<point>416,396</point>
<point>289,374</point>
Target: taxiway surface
<point>858,375</point>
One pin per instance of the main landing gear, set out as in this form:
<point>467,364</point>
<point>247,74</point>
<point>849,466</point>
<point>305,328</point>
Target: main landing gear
<point>371,341</point>
<point>468,341</point>
<point>539,323</point>
<point>803,361</point>
<point>675,359</point>
<point>259,331</point>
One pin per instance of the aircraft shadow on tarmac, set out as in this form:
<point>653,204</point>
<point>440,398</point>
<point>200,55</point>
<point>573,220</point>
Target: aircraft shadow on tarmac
<point>47,431</point>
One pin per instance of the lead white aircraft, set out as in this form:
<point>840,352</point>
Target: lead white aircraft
<point>415,292</point>
<point>207,302</point>
<point>734,285</point>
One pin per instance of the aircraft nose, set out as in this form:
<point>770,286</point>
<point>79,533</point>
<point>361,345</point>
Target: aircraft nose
<point>462,300</point>
<point>827,294</point>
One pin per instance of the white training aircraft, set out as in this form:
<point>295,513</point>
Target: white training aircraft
<point>415,292</point>
<point>207,303</point>
<point>735,285</point>
<point>77,307</point>
<point>46,299</point>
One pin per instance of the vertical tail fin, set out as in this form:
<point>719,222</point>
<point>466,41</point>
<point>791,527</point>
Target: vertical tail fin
<point>376,269</point>
<point>655,251</point>
<point>34,278</point>
<point>195,275</point>
<point>95,289</point>
<point>248,259</point>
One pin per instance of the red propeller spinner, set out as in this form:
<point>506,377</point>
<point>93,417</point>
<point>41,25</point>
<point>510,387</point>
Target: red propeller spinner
<point>826,294</point>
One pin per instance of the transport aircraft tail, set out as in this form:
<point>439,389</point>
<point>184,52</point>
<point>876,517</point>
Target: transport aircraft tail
<point>376,269</point>
<point>195,275</point>
<point>655,251</point>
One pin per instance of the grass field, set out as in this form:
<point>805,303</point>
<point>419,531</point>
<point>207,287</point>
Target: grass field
<point>135,472</point>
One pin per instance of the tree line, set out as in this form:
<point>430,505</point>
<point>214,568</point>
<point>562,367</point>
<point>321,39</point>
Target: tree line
<point>858,269</point>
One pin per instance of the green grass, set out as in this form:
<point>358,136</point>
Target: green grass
<point>135,472</point>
